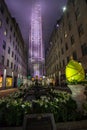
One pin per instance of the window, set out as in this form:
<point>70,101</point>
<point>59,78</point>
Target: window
<point>15,57</point>
<point>14,34</point>
<point>67,59</point>
<point>66,46</point>
<point>65,35</point>
<point>63,63</point>
<point>11,28</point>
<point>1,9</point>
<point>80,30</point>
<point>4,45</point>
<point>70,26</point>
<point>86,1</point>
<point>11,65</point>
<point>3,58</point>
<point>13,44</point>
<point>0,23</point>
<point>84,49</point>
<point>8,50</point>
<point>72,40</point>
<point>7,20</point>
<point>74,55</point>
<point>7,62</point>
<point>62,51</point>
<point>10,38</point>
<point>14,67</point>
<point>61,40</point>
<point>77,13</point>
<point>67,15</point>
<point>12,53</point>
<point>5,32</point>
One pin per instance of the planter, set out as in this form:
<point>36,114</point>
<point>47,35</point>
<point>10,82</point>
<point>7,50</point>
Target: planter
<point>78,94</point>
<point>75,125</point>
<point>11,128</point>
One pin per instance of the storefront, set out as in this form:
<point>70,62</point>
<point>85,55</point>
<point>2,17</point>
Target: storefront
<point>8,81</point>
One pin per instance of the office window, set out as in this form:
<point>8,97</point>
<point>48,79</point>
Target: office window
<point>7,62</point>
<point>4,45</point>
<point>77,13</point>
<point>9,50</point>
<point>86,1</point>
<point>67,59</point>
<point>5,32</point>
<point>14,66</point>
<point>70,26</point>
<point>61,40</point>
<point>3,58</point>
<point>72,40</point>
<point>74,55</point>
<point>11,65</point>
<point>12,53</point>
<point>65,35</point>
<point>10,38</point>
<point>13,44</point>
<point>7,20</point>
<point>63,63</point>
<point>14,34</point>
<point>62,51</point>
<point>80,30</point>
<point>0,22</point>
<point>11,28</point>
<point>84,49</point>
<point>15,57</point>
<point>68,15</point>
<point>66,46</point>
<point>2,9</point>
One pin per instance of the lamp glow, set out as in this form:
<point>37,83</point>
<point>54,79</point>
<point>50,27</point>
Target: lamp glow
<point>74,71</point>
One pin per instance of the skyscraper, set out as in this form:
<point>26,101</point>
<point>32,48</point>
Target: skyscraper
<point>36,50</point>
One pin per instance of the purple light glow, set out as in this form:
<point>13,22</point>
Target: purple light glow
<point>35,45</point>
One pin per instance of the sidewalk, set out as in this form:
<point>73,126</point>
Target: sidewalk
<point>6,92</point>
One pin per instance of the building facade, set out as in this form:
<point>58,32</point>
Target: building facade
<point>36,50</point>
<point>13,56</point>
<point>69,38</point>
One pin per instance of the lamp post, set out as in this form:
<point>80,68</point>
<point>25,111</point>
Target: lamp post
<point>4,78</point>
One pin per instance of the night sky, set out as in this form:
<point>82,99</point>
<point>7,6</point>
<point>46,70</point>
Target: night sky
<point>51,12</point>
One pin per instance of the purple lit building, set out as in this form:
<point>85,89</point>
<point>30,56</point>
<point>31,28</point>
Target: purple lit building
<point>36,49</point>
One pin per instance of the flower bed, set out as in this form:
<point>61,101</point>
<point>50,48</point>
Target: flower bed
<point>13,108</point>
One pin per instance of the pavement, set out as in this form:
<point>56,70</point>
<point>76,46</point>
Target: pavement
<point>6,92</point>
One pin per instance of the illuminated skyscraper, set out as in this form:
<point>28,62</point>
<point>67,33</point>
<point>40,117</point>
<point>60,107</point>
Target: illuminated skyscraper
<point>36,50</point>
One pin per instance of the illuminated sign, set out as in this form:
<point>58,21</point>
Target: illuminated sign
<point>0,81</point>
<point>8,82</point>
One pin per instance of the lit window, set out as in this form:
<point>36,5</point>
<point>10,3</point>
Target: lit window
<point>65,35</point>
<point>5,32</point>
